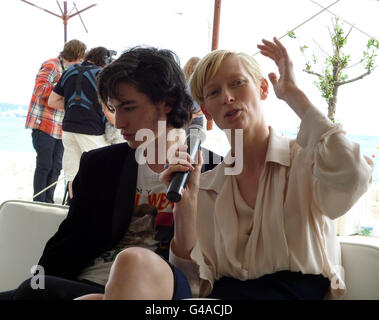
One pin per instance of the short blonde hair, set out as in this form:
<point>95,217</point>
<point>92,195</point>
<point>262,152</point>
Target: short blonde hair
<point>189,67</point>
<point>207,68</point>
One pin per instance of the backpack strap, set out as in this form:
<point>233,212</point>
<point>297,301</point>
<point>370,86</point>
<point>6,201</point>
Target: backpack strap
<point>79,98</point>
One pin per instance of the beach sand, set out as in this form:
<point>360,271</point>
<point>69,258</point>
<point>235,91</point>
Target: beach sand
<point>16,177</point>
<point>16,182</point>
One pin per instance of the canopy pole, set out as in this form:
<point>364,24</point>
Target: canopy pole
<point>215,37</point>
<point>65,18</point>
<point>216,24</point>
<point>65,15</point>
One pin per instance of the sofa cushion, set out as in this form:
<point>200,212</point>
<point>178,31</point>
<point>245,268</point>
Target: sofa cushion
<point>25,227</point>
<point>360,260</point>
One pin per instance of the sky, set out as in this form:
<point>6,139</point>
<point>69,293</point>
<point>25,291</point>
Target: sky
<point>30,36</point>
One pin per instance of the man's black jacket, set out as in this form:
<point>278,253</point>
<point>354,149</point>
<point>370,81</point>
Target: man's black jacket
<point>100,211</point>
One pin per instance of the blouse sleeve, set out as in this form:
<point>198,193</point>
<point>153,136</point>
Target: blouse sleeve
<point>340,173</point>
<point>192,270</point>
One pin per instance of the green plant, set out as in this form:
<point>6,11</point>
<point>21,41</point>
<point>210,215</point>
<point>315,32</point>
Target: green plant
<point>366,231</point>
<point>332,70</point>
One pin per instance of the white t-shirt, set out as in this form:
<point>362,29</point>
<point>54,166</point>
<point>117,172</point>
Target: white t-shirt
<point>151,225</point>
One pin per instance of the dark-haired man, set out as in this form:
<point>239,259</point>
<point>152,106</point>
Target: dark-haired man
<point>119,204</point>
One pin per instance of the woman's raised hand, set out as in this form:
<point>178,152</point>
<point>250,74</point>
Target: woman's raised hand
<point>285,84</point>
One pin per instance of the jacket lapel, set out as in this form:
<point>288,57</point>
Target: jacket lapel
<point>124,202</point>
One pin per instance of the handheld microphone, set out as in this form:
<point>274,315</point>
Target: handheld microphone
<point>195,137</point>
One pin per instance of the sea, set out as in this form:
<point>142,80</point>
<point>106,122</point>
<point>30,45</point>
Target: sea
<point>15,138</point>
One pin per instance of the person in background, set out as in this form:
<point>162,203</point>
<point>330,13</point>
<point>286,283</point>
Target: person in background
<point>84,121</point>
<point>46,122</point>
<point>189,67</point>
<point>265,229</point>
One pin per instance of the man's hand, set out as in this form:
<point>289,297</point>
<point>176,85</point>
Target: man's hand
<point>185,210</point>
<point>182,162</point>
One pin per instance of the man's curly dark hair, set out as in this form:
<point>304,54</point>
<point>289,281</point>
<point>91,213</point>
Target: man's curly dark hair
<point>154,72</point>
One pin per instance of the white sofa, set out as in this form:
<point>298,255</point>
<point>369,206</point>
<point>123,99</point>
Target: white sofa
<point>26,226</point>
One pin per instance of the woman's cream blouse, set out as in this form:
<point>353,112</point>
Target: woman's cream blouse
<point>305,184</point>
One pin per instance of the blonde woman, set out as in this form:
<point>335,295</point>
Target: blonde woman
<point>189,67</point>
<point>266,232</point>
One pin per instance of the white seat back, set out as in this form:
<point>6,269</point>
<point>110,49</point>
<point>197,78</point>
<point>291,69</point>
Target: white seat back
<point>360,260</point>
<point>25,227</point>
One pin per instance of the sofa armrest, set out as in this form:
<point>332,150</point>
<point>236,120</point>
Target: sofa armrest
<point>25,227</point>
<point>360,260</point>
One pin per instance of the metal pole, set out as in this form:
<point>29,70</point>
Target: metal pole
<point>216,24</point>
<point>32,4</point>
<point>65,18</point>
<point>65,15</point>
<point>48,187</point>
<point>215,36</point>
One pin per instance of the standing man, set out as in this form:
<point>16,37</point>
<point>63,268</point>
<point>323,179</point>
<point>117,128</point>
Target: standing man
<point>46,122</point>
<point>84,122</point>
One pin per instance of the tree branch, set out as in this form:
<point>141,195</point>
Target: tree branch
<point>355,64</point>
<point>340,83</point>
<point>314,73</point>
<point>331,39</point>
<point>327,54</point>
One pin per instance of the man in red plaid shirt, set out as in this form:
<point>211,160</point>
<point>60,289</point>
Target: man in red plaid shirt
<point>46,122</point>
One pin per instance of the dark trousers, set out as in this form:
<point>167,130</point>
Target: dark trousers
<point>62,289</point>
<point>282,285</point>
<point>48,164</point>
<point>54,289</point>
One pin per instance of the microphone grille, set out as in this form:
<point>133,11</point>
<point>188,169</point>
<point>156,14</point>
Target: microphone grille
<point>198,130</point>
